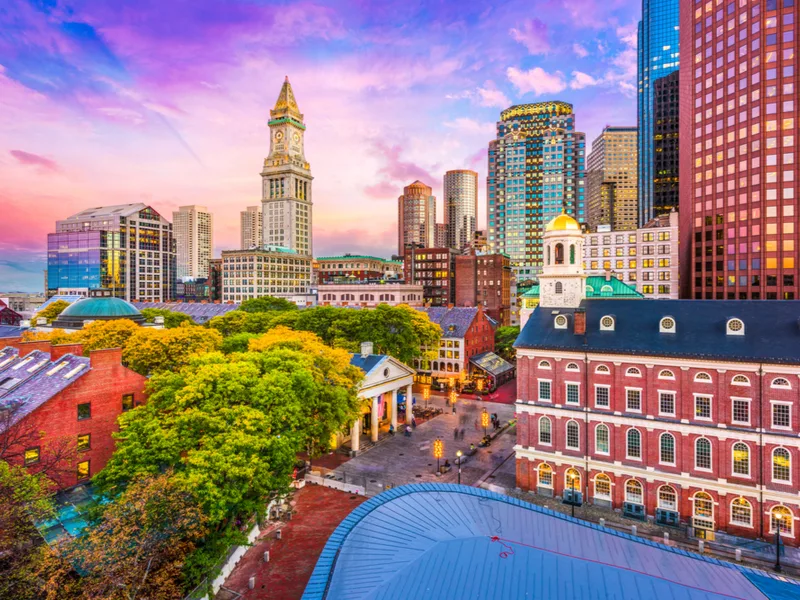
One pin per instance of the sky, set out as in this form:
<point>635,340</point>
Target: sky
<point>166,102</point>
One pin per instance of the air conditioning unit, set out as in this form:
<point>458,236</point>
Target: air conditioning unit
<point>633,511</point>
<point>670,518</point>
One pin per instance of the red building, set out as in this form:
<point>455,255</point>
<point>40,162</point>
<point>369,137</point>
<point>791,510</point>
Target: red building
<point>52,399</point>
<point>9,316</point>
<point>433,269</point>
<point>739,150</point>
<point>485,280</point>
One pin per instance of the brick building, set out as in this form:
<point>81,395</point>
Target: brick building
<point>338,269</point>
<point>681,411</point>
<point>433,269</point>
<point>484,280</point>
<point>52,397</point>
<point>9,316</point>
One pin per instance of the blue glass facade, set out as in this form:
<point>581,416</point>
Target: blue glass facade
<point>85,259</point>
<point>658,57</point>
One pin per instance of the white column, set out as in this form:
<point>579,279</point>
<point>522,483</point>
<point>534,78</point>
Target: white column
<point>409,405</point>
<point>394,409</point>
<point>374,422</point>
<point>355,436</point>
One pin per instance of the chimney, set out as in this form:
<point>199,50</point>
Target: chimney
<point>366,349</point>
<point>608,275</point>
<point>26,348</point>
<point>59,351</point>
<point>580,321</point>
<point>106,358</point>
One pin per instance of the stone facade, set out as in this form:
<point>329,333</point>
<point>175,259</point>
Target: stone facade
<point>369,295</point>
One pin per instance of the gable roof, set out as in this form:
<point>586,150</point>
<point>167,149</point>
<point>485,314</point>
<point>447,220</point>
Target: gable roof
<point>597,286</point>
<point>367,363</point>
<point>455,322</point>
<point>772,329</point>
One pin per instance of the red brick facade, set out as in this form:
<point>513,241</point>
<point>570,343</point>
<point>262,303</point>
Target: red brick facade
<point>741,412</point>
<point>485,281</point>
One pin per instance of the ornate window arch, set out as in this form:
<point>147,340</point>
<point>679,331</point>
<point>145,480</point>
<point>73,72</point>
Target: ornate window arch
<point>702,377</point>
<point>734,327</point>
<point>602,486</point>
<point>702,453</point>
<point>703,510</point>
<point>601,439</point>
<point>572,367</point>
<point>740,458</point>
<point>544,364</point>
<point>602,369</point>
<point>740,380</point>
<point>781,465</point>
<point>666,374</point>
<point>633,372</point>
<point>741,512</point>
<point>545,475</point>
<point>781,518</point>
<point>634,492</point>
<point>572,478</point>
<point>559,287</point>
<point>667,498</point>
<point>633,447</point>
<point>781,383</point>
<point>545,431</point>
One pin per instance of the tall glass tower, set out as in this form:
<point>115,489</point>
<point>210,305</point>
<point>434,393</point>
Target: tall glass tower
<point>536,172</point>
<point>658,57</point>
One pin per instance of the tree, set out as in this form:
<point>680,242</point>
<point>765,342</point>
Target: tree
<point>151,350</point>
<point>94,336</point>
<point>238,321</point>
<point>267,304</point>
<point>172,319</point>
<point>504,338</point>
<point>52,311</point>
<point>238,342</point>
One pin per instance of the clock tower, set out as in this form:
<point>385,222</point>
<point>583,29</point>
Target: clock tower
<point>286,179</point>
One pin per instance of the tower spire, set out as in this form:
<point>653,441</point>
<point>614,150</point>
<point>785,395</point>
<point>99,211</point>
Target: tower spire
<point>286,105</point>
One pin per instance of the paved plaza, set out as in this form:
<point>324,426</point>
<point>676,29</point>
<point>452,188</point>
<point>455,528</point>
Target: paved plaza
<point>400,460</point>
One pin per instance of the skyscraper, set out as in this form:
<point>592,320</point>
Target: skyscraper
<point>739,147</point>
<point>460,207</point>
<point>536,171</point>
<point>611,189</point>
<point>416,217</point>
<point>193,227</point>
<point>286,178</point>
<point>250,227</point>
<point>666,150</point>
<point>658,57</point>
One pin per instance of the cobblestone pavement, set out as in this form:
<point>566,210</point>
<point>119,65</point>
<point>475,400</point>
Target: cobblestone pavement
<point>402,460</point>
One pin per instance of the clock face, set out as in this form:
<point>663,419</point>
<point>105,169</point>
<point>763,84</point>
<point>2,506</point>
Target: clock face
<point>278,136</point>
<point>296,138</point>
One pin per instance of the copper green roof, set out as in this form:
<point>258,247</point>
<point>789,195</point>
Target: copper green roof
<point>359,257</point>
<point>92,308</point>
<point>597,286</point>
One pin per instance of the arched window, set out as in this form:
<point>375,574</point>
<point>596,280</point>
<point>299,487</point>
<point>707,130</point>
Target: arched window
<point>572,254</point>
<point>781,383</point>
<point>702,454</point>
<point>544,431</point>
<point>703,510</point>
<point>781,519</point>
<point>634,445</point>
<point>667,449</point>
<point>740,380</point>
<point>741,459</point>
<point>573,436</point>
<point>741,512</point>
<point>667,498</point>
<point>559,254</point>
<point>602,487</point>
<point>666,374</point>
<point>435,365</point>
<point>703,377</point>
<point>545,475</point>
<point>601,369</point>
<point>543,364</point>
<point>633,372</point>
<point>572,367</point>
<point>449,367</point>
<point>601,439</point>
<point>559,287</point>
<point>572,479</point>
<point>634,492</point>
<point>781,465</point>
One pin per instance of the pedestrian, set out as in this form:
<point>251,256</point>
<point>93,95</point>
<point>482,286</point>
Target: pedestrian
<point>476,424</point>
<point>455,433</point>
<point>462,433</point>
<point>454,408</point>
<point>413,422</point>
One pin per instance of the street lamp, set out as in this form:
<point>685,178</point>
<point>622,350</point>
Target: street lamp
<point>479,385</point>
<point>438,451</point>
<point>777,547</point>
<point>571,477</point>
<point>484,421</point>
<point>426,393</point>
<point>453,399</point>
<point>459,454</point>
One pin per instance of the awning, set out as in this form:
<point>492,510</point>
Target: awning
<point>491,363</point>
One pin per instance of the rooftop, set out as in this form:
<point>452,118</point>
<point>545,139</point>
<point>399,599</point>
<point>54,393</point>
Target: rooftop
<point>199,312</point>
<point>447,541</point>
<point>359,257</point>
<point>102,308</point>
<point>454,321</point>
<point>597,286</point>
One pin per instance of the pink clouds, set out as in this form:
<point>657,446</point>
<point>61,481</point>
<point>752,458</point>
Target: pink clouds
<point>34,160</point>
<point>536,80</point>
<point>532,35</point>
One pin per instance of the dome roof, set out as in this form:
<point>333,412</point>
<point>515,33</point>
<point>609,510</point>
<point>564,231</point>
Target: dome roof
<point>563,222</point>
<point>105,309</point>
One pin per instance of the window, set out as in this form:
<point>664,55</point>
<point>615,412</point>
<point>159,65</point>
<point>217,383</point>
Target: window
<point>84,442</point>
<point>633,400</point>
<point>573,367</point>
<point>32,456</point>
<point>702,454</point>
<point>544,364</point>
<point>740,380</point>
<point>634,445</point>
<point>633,372</point>
<point>781,519</point>
<point>127,402</point>
<point>601,396</point>
<point>781,383</point>
<point>634,492</point>
<point>703,511</point>
<point>735,327</point>
<point>84,411</point>
<point>602,487</point>
<point>781,415</point>
<point>559,287</point>
<point>781,465</point>
<point>545,475</point>
<point>601,369</point>
<point>741,411</point>
<point>667,449</point>
<point>741,459</point>
<point>573,394</point>
<point>702,407</point>
<point>83,470</point>
<point>573,436</point>
<point>741,513</point>
<point>601,439</point>
<point>572,479</point>
<point>544,431</point>
<point>667,498</point>
<point>544,390</point>
<point>666,374</point>
<point>703,377</point>
<point>666,403</point>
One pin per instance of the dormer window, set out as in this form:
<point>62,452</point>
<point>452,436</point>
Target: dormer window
<point>667,325</point>
<point>561,322</point>
<point>607,323</point>
<point>735,327</point>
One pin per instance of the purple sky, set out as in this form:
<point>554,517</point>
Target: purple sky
<point>166,102</point>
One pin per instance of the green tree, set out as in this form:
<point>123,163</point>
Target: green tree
<point>52,311</point>
<point>94,336</point>
<point>504,338</point>
<point>172,319</point>
<point>151,350</point>
<point>238,321</point>
<point>267,304</point>
<point>238,342</point>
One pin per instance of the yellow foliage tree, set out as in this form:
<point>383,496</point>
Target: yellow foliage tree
<point>94,336</point>
<point>151,350</point>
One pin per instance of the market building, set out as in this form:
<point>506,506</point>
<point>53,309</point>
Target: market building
<point>370,295</point>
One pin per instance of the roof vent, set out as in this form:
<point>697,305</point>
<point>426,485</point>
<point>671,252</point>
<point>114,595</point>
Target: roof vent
<point>607,323</point>
<point>667,325</point>
<point>366,349</point>
<point>734,327</point>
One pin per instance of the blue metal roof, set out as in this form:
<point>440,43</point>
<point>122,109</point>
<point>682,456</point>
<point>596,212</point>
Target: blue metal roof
<point>771,334</point>
<point>200,312</point>
<point>368,362</point>
<point>10,331</point>
<point>446,541</point>
<point>455,322</point>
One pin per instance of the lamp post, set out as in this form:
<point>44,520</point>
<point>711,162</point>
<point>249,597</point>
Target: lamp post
<point>572,497</point>
<point>426,393</point>
<point>484,421</point>
<point>777,547</point>
<point>459,454</point>
<point>453,399</point>
<point>438,451</point>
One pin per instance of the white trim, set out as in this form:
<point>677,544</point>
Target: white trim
<point>608,429</point>
<point>674,491</point>
<point>729,330</point>
<point>608,388</point>
<point>749,410</point>
<point>539,477</point>
<point>674,403</point>
<point>742,383</point>
<point>539,431</point>
<point>772,425</point>
<point>625,491</point>
<point>641,400</point>
<point>775,386</point>
<point>566,393</point>
<point>544,362</point>
<point>566,435</point>
<point>670,377</point>
<point>710,455</point>
<point>698,379</point>
<point>628,373</point>
<point>749,461</point>
<point>610,486</point>
<point>791,512</point>
<point>627,444</point>
<point>597,370</point>
<point>730,513</point>
<point>664,329</point>
<point>674,449</point>
<point>710,407</point>
<point>539,390</point>
<point>577,368</point>
<point>772,466</point>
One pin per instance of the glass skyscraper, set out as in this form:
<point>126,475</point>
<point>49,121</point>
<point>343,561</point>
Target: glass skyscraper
<point>536,172</point>
<point>658,57</point>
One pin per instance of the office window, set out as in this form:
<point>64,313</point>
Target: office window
<point>84,411</point>
<point>83,470</point>
<point>84,442</point>
<point>702,407</point>
<point>666,403</point>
